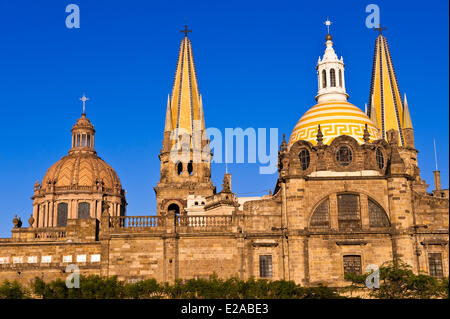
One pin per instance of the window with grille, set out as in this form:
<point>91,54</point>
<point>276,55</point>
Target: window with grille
<point>320,216</point>
<point>352,264</point>
<point>84,210</point>
<point>332,78</point>
<point>61,219</point>
<point>435,264</point>
<point>377,215</point>
<point>304,159</point>
<point>324,79</point>
<point>348,211</point>
<point>344,155</point>
<point>265,266</point>
<point>380,158</point>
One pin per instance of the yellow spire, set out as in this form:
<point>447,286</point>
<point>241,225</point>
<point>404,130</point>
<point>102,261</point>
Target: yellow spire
<point>185,103</point>
<point>407,123</point>
<point>385,92</point>
<point>373,115</point>
<point>168,126</point>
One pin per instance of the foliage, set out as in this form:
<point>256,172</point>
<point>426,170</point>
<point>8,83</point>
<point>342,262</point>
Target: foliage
<point>12,290</point>
<point>398,281</point>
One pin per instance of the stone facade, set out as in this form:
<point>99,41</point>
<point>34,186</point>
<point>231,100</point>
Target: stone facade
<point>337,207</point>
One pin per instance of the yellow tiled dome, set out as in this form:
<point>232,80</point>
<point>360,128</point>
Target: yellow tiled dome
<point>81,170</point>
<point>335,118</point>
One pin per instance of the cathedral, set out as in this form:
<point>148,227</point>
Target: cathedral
<point>348,196</point>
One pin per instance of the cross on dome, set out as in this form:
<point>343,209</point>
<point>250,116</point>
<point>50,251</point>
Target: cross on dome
<point>328,23</point>
<point>84,99</point>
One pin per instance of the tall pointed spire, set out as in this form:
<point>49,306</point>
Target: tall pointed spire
<point>407,123</point>
<point>185,100</point>
<point>168,127</point>
<point>384,91</point>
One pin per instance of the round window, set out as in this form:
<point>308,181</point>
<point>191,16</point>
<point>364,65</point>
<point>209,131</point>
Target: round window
<point>304,159</point>
<point>344,155</point>
<point>380,158</point>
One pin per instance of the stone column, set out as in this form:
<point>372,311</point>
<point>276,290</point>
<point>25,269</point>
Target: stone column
<point>364,211</point>
<point>333,212</point>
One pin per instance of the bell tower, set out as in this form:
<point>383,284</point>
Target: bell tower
<point>185,154</point>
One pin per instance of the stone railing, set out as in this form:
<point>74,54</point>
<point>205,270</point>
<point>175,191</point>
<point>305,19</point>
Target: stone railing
<point>39,234</point>
<point>136,222</point>
<point>204,221</point>
<point>50,234</point>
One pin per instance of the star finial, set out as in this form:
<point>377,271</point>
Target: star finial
<point>328,23</point>
<point>84,99</point>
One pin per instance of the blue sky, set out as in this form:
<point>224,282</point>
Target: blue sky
<point>256,67</point>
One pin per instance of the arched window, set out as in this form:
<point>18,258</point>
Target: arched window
<point>380,158</point>
<point>324,79</point>
<point>377,215</point>
<point>340,78</point>
<point>304,159</point>
<point>61,219</point>
<point>348,211</point>
<point>84,210</point>
<point>332,78</point>
<point>89,140</point>
<point>179,168</point>
<point>78,140</point>
<point>190,168</point>
<point>344,155</point>
<point>320,217</point>
<point>174,207</point>
<point>83,140</point>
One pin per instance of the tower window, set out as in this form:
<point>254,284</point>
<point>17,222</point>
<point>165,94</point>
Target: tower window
<point>332,78</point>
<point>348,211</point>
<point>61,219</point>
<point>83,140</point>
<point>179,168</point>
<point>380,158</point>
<point>340,78</point>
<point>324,79</point>
<point>435,264</point>
<point>190,168</point>
<point>352,264</point>
<point>89,140</point>
<point>265,266</point>
<point>344,155</point>
<point>175,208</point>
<point>84,210</point>
<point>304,159</point>
<point>78,140</point>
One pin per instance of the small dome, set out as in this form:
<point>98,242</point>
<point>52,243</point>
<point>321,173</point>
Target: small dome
<point>335,118</point>
<point>81,169</point>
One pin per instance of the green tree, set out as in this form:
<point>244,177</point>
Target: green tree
<point>12,290</point>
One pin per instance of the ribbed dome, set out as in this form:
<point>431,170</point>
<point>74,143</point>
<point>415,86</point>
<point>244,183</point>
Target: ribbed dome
<point>335,118</point>
<point>80,169</point>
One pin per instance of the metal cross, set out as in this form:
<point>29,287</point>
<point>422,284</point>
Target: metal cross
<point>185,31</point>
<point>380,28</point>
<point>328,23</point>
<point>84,99</point>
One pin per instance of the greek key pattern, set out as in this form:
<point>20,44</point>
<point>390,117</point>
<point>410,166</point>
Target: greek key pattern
<point>331,131</point>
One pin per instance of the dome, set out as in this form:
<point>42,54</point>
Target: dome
<point>81,169</point>
<point>335,118</point>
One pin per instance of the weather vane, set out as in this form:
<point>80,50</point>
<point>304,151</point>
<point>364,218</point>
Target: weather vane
<point>84,99</point>
<point>328,24</point>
